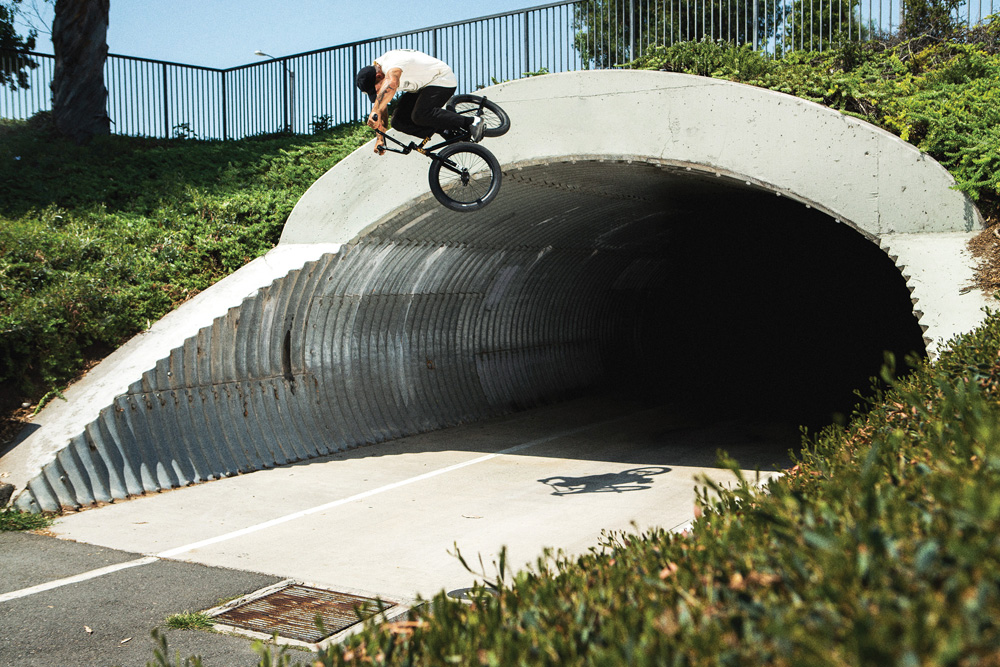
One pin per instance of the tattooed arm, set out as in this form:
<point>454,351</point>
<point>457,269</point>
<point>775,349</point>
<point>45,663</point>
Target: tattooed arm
<point>387,90</point>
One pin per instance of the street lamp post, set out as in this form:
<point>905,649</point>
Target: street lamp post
<point>287,96</point>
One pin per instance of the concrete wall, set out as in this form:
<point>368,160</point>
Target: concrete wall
<point>382,314</point>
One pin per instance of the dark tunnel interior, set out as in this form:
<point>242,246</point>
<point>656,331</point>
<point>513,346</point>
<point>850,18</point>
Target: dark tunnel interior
<point>750,300</point>
<point>773,309</point>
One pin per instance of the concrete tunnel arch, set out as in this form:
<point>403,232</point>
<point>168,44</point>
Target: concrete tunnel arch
<point>382,314</point>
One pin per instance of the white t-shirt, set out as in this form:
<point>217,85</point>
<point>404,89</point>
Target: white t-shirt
<point>419,70</point>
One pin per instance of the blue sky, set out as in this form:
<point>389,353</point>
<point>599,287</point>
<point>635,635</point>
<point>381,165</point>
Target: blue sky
<point>225,33</point>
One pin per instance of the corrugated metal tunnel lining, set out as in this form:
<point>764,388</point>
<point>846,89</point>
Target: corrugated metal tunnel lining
<point>582,276</point>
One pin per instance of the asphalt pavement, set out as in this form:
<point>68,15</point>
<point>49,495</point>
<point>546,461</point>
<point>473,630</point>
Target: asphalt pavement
<point>107,620</point>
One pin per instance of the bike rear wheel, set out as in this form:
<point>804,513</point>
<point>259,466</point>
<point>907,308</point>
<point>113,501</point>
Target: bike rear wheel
<point>465,177</point>
<point>496,119</point>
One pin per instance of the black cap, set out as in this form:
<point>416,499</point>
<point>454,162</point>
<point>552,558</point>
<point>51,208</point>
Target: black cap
<point>366,81</point>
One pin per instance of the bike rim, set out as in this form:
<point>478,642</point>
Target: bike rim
<point>472,108</point>
<point>471,180</point>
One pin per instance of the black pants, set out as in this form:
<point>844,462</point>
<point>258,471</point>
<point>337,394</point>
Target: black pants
<point>420,114</point>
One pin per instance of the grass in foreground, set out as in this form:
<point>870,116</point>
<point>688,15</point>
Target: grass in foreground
<point>14,520</point>
<point>189,621</point>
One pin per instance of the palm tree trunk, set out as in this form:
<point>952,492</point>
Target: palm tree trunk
<point>80,40</point>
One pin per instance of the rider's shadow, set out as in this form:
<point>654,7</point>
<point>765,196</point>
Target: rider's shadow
<point>635,479</point>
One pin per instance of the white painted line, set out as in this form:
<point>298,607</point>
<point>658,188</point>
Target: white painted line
<point>291,517</point>
<point>170,553</point>
<point>93,574</point>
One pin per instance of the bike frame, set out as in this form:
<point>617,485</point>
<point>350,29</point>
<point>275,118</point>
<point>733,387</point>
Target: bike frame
<point>422,148</point>
<point>429,152</point>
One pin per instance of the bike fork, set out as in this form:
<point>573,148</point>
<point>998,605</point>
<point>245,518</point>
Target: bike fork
<point>453,167</point>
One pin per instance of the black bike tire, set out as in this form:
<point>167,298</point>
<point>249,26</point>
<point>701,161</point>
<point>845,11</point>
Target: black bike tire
<point>497,120</point>
<point>434,176</point>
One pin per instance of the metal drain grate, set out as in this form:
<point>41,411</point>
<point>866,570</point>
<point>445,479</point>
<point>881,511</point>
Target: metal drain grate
<point>291,612</point>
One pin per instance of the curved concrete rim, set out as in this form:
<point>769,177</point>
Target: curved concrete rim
<point>849,168</point>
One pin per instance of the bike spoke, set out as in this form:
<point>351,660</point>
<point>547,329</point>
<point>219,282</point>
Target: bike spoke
<point>479,178</point>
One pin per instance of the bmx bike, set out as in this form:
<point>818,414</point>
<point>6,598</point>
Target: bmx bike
<point>464,176</point>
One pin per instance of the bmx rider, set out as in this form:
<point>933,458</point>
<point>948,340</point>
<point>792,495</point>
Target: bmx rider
<point>427,84</point>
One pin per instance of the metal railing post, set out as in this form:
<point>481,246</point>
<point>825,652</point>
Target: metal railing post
<point>354,69</point>
<point>225,110</point>
<point>166,104</point>
<point>527,46</point>
<point>284,94</point>
<point>755,19</point>
<point>631,29</point>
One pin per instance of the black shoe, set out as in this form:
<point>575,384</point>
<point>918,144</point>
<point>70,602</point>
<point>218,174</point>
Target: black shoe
<point>477,129</point>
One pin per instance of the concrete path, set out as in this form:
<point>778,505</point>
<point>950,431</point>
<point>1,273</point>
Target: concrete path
<point>385,519</point>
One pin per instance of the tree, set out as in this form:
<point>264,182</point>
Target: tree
<point>79,96</point>
<point>613,32</point>
<point>14,49</point>
<point>822,24</point>
<point>934,18</point>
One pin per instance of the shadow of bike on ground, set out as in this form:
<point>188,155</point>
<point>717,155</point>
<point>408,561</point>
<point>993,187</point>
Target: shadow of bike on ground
<point>634,479</point>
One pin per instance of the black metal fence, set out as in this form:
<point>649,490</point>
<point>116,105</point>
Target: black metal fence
<point>309,91</point>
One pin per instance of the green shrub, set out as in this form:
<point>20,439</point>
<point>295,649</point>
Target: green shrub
<point>190,621</point>
<point>12,520</point>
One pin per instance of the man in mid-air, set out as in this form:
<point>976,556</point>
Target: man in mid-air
<point>427,84</point>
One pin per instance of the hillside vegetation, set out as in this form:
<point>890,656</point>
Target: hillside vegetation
<point>99,241</point>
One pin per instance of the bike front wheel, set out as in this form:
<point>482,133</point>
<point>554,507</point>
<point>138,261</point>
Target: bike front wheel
<point>465,177</point>
<point>496,119</point>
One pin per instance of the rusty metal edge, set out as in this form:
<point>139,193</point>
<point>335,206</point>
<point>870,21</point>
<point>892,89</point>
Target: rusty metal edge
<point>400,607</point>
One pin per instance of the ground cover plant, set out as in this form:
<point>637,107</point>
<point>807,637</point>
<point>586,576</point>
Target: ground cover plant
<point>99,241</point>
<point>14,520</point>
<point>189,621</point>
